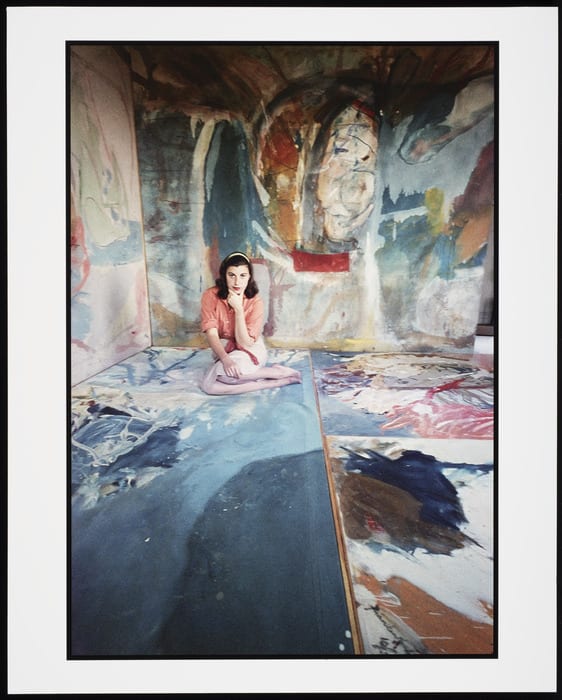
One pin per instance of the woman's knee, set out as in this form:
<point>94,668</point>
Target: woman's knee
<point>207,383</point>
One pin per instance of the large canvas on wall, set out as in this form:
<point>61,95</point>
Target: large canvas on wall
<point>359,178</point>
<point>108,288</point>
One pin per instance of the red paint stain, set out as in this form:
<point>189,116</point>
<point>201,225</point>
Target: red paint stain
<point>79,261</point>
<point>452,422</point>
<point>281,149</point>
<point>320,262</point>
<point>455,384</point>
<point>373,525</point>
<point>362,107</point>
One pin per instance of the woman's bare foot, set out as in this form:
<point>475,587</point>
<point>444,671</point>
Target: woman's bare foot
<point>289,373</point>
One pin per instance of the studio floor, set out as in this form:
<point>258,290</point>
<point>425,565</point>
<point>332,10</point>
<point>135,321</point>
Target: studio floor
<point>350,515</point>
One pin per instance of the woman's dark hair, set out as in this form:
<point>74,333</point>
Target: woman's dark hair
<point>234,260</point>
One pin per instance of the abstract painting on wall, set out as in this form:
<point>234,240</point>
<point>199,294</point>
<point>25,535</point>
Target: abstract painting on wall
<point>108,288</point>
<point>359,177</point>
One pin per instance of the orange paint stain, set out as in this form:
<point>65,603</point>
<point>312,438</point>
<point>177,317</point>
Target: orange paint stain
<point>474,235</point>
<point>440,628</point>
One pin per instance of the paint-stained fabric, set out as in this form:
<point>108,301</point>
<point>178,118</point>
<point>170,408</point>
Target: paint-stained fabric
<point>200,526</point>
<point>417,518</point>
<point>372,206</point>
<point>109,314</point>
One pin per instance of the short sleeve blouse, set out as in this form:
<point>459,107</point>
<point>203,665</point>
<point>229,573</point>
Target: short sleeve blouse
<point>216,313</point>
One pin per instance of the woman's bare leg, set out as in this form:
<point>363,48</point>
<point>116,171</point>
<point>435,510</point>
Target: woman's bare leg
<point>267,377</point>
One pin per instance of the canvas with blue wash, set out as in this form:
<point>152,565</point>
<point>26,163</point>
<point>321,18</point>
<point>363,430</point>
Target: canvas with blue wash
<point>418,528</point>
<point>430,395</point>
<point>200,525</point>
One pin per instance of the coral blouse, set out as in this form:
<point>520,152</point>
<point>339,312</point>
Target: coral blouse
<point>216,313</point>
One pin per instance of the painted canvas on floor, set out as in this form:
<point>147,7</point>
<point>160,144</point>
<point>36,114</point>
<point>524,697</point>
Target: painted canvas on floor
<point>417,519</point>
<point>404,394</point>
<point>201,526</point>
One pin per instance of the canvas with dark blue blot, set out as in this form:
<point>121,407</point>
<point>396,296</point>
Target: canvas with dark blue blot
<point>420,475</point>
<point>201,526</point>
<point>410,499</point>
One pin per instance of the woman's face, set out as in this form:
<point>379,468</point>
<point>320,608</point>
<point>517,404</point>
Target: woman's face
<point>237,278</point>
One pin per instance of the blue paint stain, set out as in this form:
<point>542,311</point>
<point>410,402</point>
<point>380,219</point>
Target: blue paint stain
<point>477,260</point>
<point>263,574</point>
<point>427,130</point>
<point>232,201</point>
<point>160,374</point>
<point>444,251</point>
<point>96,409</point>
<point>80,316</point>
<point>108,178</point>
<point>158,450</point>
<point>403,202</point>
<point>113,440</point>
<point>166,147</point>
<point>421,476</point>
<point>411,237</point>
<point>401,261</point>
<point>119,251</point>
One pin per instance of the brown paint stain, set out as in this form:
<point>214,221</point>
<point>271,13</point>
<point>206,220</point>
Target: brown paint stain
<point>479,193</point>
<point>473,236</point>
<point>287,222</point>
<point>375,510</point>
<point>280,148</point>
<point>279,162</point>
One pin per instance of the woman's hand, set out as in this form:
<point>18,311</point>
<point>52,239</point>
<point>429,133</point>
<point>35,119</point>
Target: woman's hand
<point>235,301</point>
<point>230,367</point>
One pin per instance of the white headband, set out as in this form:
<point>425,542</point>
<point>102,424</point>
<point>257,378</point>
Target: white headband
<point>232,255</point>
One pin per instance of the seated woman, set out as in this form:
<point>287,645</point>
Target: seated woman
<point>232,320</point>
